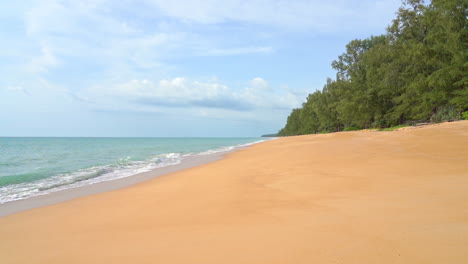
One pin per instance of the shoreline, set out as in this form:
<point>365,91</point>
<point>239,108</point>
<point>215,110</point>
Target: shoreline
<point>353,197</point>
<point>61,196</point>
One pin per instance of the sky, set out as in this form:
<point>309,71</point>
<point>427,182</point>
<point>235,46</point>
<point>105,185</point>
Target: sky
<point>170,68</point>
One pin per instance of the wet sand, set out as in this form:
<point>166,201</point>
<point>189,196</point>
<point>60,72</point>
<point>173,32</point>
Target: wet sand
<point>350,197</point>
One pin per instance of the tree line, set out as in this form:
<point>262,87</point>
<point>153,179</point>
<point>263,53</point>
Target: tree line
<point>416,72</point>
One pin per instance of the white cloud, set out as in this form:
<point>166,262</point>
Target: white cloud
<point>259,83</point>
<point>18,89</point>
<point>177,89</point>
<point>42,63</point>
<point>123,41</point>
<point>153,30</point>
<point>187,94</point>
<point>95,34</point>
<point>90,31</point>
<point>237,51</point>
<point>302,14</point>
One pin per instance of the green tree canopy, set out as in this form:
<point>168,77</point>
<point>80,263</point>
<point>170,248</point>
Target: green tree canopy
<point>416,71</point>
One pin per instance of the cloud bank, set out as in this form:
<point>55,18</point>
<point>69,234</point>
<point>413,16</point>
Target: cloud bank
<point>187,94</point>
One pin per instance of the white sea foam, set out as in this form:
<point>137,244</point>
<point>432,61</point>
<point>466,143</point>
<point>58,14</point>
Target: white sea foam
<point>124,168</point>
<point>226,149</point>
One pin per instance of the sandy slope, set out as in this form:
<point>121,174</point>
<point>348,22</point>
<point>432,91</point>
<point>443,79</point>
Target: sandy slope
<point>352,197</point>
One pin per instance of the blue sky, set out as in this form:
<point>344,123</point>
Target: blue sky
<point>170,68</point>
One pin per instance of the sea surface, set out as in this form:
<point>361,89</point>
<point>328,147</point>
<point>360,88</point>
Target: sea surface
<point>36,166</point>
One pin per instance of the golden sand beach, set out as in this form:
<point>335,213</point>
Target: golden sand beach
<point>349,197</point>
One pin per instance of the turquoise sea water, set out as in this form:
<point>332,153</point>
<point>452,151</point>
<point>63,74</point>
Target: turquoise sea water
<point>35,166</point>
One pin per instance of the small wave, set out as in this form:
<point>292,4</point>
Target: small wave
<point>124,167</point>
<point>229,148</point>
<point>72,179</point>
<point>212,151</point>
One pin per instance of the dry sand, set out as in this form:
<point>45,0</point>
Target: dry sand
<point>351,197</point>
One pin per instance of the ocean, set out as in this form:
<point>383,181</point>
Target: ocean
<point>36,166</point>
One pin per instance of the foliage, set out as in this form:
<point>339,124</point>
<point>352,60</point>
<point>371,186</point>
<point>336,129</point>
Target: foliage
<point>392,128</point>
<point>464,115</point>
<point>416,72</point>
<point>351,128</point>
<point>445,113</point>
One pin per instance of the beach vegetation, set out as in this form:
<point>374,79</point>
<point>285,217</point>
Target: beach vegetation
<point>464,115</point>
<point>445,113</point>
<point>392,128</point>
<point>351,128</point>
<point>414,73</point>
